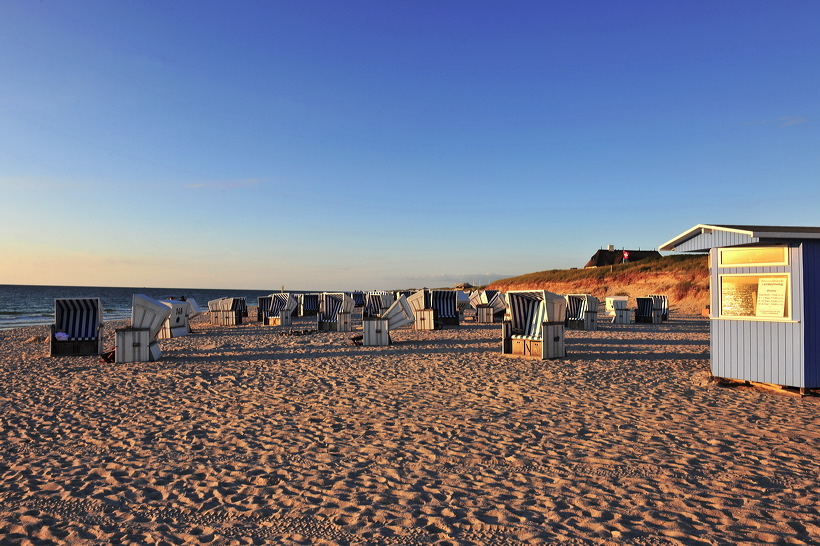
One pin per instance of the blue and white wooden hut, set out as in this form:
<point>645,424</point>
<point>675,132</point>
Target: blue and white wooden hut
<point>765,296</point>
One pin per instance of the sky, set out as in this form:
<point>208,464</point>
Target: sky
<point>376,144</point>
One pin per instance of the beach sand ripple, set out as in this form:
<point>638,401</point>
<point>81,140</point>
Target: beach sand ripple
<point>246,435</point>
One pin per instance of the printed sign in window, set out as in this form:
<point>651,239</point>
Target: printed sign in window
<point>771,297</point>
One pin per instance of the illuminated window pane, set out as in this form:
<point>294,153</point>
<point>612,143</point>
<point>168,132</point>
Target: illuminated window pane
<point>760,296</point>
<point>753,256</point>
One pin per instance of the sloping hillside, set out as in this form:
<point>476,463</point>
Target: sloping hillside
<point>684,278</point>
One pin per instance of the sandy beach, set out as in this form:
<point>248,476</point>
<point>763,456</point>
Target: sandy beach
<point>245,435</point>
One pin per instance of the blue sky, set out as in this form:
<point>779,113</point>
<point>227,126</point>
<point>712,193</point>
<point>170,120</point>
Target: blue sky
<point>373,144</point>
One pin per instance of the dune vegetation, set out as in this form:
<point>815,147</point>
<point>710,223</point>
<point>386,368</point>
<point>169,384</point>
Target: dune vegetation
<point>684,278</point>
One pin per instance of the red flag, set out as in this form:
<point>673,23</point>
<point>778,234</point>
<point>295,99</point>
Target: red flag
<point>626,255</point>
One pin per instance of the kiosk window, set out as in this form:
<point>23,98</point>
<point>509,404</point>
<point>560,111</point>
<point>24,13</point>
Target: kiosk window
<point>754,256</point>
<point>755,296</point>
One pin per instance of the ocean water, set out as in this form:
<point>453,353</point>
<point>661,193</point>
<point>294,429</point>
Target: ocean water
<point>24,305</point>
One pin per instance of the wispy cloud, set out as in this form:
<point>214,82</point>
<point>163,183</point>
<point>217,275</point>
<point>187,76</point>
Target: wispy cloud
<point>788,121</point>
<point>784,121</point>
<point>226,184</point>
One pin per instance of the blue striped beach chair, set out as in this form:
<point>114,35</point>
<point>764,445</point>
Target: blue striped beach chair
<point>263,308</point>
<point>334,312</point>
<point>358,298</point>
<point>661,302</point>
<point>644,313</point>
<point>77,328</point>
<point>227,311</point>
<point>308,304</point>
<point>536,325</point>
<point>375,304</point>
<point>582,312</point>
<point>445,305</point>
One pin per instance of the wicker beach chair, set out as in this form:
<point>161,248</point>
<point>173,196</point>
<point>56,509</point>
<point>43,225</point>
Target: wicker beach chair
<point>334,312</point>
<point>77,328</point>
<point>536,325</point>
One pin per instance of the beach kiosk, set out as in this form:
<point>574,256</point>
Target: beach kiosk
<point>765,291</point>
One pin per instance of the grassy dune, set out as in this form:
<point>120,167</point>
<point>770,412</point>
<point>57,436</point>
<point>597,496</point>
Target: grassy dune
<point>684,278</point>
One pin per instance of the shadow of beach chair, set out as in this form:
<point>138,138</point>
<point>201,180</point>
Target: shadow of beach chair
<point>78,327</point>
<point>536,325</point>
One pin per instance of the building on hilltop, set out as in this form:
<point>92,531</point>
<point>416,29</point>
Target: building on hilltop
<point>610,256</point>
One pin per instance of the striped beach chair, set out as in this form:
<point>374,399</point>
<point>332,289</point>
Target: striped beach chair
<point>262,308</point>
<point>661,302</point>
<point>282,306</point>
<point>227,311</point>
<point>78,327</point>
<point>358,298</point>
<point>375,303</point>
<point>445,305</point>
<point>645,312</point>
<point>308,304</point>
<point>334,312</point>
<point>531,311</point>
<point>582,312</point>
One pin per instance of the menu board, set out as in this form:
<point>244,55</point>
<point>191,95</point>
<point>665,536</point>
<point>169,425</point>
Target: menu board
<point>771,297</point>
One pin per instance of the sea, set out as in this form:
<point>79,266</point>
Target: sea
<point>24,305</point>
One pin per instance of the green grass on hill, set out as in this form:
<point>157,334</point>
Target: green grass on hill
<point>682,264</point>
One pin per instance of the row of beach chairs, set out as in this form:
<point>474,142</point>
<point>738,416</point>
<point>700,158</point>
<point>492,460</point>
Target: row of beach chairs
<point>533,323</point>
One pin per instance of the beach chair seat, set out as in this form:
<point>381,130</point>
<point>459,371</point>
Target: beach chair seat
<point>77,328</point>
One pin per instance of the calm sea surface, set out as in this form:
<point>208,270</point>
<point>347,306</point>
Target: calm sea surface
<point>22,305</point>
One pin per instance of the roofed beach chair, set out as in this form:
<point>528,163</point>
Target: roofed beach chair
<point>582,312</point>
<point>645,312</point>
<point>262,308</point>
<point>308,304</point>
<point>536,327</point>
<point>176,324</point>
<point>358,298</point>
<point>661,301</point>
<point>434,308</point>
<point>139,342</point>
<point>376,303</point>
<point>281,309</point>
<point>77,328</point>
<point>377,329</point>
<point>489,304</point>
<point>334,312</point>
<point>194,310</point>
<point>617,308</point>
<point>226,311</point>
